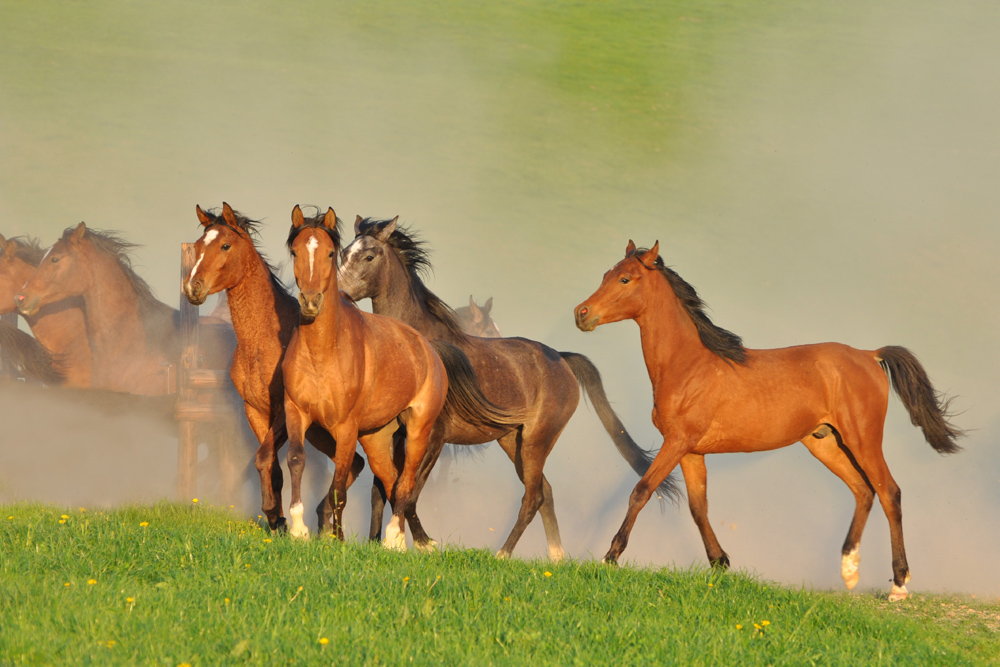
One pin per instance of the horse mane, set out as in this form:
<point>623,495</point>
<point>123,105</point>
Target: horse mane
<point>724,343</point>
<point>412,253</point>
<point>159,320</point>
<point>28,249</point>
<point>315,222</point>
<point>250,230</point>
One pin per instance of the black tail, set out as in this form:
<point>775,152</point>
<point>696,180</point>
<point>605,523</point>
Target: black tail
<point>28,356</point>
<point>928,409</point>
<point>590,379</point>
<point>466,399</point>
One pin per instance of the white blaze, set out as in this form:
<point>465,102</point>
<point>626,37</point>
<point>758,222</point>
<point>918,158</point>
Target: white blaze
<point>312,244</point>
<point>210,236</point>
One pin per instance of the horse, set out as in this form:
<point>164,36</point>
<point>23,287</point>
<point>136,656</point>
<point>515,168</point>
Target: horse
<point>711,395</point>
<point>475,320</point>
<point>22,356</point>
<point>133,336</point>
<point>264,315</point>
<point>60,328</point>
<point>384,263</point>
<point>356,374</point>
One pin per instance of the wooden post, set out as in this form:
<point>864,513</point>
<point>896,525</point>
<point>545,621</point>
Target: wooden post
<point>6,367</point>
<point>187,441</point>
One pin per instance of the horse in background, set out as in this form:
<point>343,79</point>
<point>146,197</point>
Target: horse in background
<point>475,320</point>
<point>264,315</point>
<point>59,328</point>
<point>384,263</point>
<point>711,395</point>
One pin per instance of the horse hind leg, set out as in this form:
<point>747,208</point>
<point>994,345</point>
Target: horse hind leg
<point>695,478</point>
<point>825,445</point>
<point>537,492</point>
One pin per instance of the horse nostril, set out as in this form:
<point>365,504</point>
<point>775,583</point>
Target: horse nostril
<point>19,298</point>
<point>583,311</point>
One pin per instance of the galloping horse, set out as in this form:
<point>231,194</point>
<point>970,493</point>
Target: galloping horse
<point>355,374</point>
<point>60,327</point>
<point>264,315</point>
<point>383,263</point>
<point>711,395</point>
<point>133,336</point>
<point>475,320</point>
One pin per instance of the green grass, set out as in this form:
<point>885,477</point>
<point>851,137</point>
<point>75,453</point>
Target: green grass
<point>201,587</point>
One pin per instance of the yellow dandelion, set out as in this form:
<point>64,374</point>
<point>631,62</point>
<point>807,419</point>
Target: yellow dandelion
<point>406,578</point>
<point>143,523</point>
<point>765,623</point>
<point>67,584</point>
<point>547,574</point>
<point>739,627</point>
<point>184,664</point>
<point>62,520</point>
<point>324,641</point>
<point>130,600</point>
<point>91,581</point>
<point>757,625</point>
<point>247,564</point>
<point>711,585</point>
<point>266,540</point>
<point>227,600</point>
<point>506,599</point>
<point>110,643</point>
<point>194,500</point>
<point>64,516</point>
<point>11,517</point>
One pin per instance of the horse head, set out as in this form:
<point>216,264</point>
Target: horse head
<point>621,294</point>
<point>313,243</point>
<point>61,274</point>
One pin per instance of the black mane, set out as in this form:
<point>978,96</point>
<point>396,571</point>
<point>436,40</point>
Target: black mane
<point>412,253</point>
<point>250,230</point>
<point>316,222</point>
<point>28,249</point>
<point>724,343</point>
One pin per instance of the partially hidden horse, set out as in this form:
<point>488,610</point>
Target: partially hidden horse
<point>384,263</point>
<point>475,320</point>
<point>355,374</point>
<point>133,336</point>
<point>264,316</point>
<point>59,328</point>
<point>711,395</point>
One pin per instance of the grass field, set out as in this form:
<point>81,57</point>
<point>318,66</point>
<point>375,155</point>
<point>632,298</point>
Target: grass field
<point>174,585</point>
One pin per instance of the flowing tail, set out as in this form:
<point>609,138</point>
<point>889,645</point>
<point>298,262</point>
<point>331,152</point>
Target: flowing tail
<point>466,399</point>
<point>29,357</point>
<point>927,407</point>
<point>590,379</point>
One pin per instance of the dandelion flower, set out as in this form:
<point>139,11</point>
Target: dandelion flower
<point>757,625</point>
<point>11,517</point>
<point>194,500</point>
<point>765,623</point>
<point>739,627</point>
<point>406,578</point>
<point>547,574</point>
<point>130,600</point>
<point>64,516</point>
<point>91,581</point>
<point>324,641</point>
<point>143,523</point>
<point>266,540</point>
<point>67,584</point>
<point>227,600</point>
<point>62,520</point>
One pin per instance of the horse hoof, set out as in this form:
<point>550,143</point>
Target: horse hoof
<point>428,547</point>
<point>556,554</point>
<point>280,525</point>
<point>300,534</point>
<point>849,568</point>
<point>502,555</point>
<point>610,560</point>
<point>395,539</point>
<point>720,563</point>
<point>898,593</point>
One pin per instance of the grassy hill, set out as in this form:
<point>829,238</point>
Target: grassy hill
<point>173,585</point>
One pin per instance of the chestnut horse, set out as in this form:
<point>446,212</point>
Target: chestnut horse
<point>60,327</point>
<point>383,263</point>
<point>475,320</point>
<point>711,395</point>
<point>264,315</point>
<point>355,374</point>
<point>133,336</point>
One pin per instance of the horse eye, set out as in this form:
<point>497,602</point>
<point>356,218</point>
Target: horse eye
<point>369,258</point>
<point>332,253</point>
<point>624,281</point>
<point>55,260</point>
<point>293,254</point>
<point>226,246</point>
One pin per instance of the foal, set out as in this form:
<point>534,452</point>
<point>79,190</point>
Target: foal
<point>711,395</point>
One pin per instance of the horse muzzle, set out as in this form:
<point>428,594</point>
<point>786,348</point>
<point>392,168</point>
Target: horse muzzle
<point>585,319</point>
<point>310,303</point>
<point>195,291</point>
<point>25,305</point>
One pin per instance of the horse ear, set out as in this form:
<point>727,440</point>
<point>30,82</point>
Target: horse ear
<point>651,254</point>
<point>387,230</point>
<point>357,224</point>
<point>472,303</point>
<point>488,306</point>
<point>228,215</point>
<point>330,219</point>
<point>297,219</point>
<point>78,233</point>
<point>202,216</point>
<point>630,248</point>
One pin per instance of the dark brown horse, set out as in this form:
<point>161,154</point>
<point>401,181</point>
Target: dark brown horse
<point>384,263</point>
<point>59,328</point>
<point>711,395</point>
<point>355,374</point>
<point>475,320</point>
<point>264,315</point>
<point>133,336</point>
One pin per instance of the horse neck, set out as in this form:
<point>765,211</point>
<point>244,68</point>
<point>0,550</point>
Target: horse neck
<point>263,315</point>
<point>338,315</point>
<point>399,300</point>
<point>671,346</point>
<point>62,330</point>
<point>114,325</point>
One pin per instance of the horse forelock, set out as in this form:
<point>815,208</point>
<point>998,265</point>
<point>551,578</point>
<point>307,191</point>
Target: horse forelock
<point>245,227</point>
<point>26,248</point>
<point>315,222</point>
<point>724,343</point>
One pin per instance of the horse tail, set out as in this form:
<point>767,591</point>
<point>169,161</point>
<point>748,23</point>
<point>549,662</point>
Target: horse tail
<point>928,408</point>
<point>466,400</point>
<point>29,357</point>
<point>640,459</point>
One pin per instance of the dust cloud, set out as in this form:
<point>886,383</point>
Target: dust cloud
<point>830,176</point>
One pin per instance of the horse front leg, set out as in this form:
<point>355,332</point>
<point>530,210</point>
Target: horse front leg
<point>296,422</point>
<point>696,478</point>
<point>271,437</point>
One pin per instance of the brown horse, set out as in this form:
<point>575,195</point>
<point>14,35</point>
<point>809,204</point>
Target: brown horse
<point>264,315</point>
<point>711,395</point>
<point>384,263</point>
<point>475,320</point>
<point>355,374</point>
<point>60,327</point>
<point>133,336</point>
